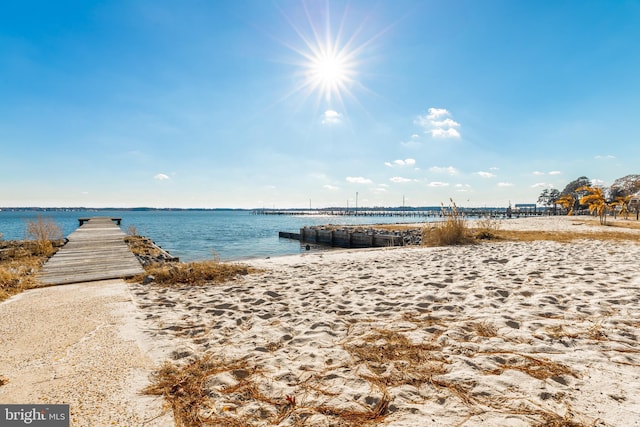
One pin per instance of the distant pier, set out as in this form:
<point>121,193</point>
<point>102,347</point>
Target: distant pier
<point>410,213</point>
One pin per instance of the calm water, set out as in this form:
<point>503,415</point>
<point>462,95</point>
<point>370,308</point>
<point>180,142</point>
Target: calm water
<point>197,235</point>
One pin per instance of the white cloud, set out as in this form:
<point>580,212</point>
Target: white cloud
<point>438,123</point>
<point>505,184</point>
<point>449,169</point>
<point>161,177</point>
<point>555,173</point>
<point>486,174</point>
<point>494,168</point>
<point>405,162</point>
<point>399,179</point>
<point>359,180</point>
<point>539,185</point>
<point>463,188</point>
<point>330,187</point>
<point>608,156</point>
<point>446,123</point>
<point>444,133</point>
<point>435,113</point>
<point>380,189</point>
<point>538,173</point>
<point>438,184</point>
<point>597,182</point>
<point>331,117</point>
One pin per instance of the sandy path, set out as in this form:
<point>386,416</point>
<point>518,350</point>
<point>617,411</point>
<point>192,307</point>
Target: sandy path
<point>81,345</point>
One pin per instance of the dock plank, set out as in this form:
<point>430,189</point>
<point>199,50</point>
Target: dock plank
<point>94,251</point>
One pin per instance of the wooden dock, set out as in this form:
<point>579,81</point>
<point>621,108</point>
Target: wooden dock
<point>95,251</point>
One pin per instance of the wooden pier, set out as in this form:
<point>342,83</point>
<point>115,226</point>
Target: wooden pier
<point>95,251</point>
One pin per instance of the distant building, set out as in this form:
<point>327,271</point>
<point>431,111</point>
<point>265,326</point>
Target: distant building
<point>525,207</point>
<point>634,203</point>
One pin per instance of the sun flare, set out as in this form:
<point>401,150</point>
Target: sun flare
<point>329,72</point>
<point>331,60</point>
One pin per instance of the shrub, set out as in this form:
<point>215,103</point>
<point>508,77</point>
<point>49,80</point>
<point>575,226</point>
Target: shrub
<point>452,231</point>
<point>132,231</point>
<point>43,231</point>
<point>486,228</point>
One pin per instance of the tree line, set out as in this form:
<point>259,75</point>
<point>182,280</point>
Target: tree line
<point>581,195</point>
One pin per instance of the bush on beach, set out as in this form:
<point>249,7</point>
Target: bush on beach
<point>44,231</point>
<point>452,231</point>
<point>21,260</point>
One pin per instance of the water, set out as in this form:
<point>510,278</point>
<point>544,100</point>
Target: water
<point>198,235</point>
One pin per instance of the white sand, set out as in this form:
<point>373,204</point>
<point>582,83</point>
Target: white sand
<point>501,334</point>
<point>562,321</point>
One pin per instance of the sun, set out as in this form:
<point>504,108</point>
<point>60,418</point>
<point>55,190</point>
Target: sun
<point>329,71</point>
<point>329,58</point>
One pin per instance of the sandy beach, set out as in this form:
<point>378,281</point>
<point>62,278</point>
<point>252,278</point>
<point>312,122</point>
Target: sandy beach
<point>494,334</point>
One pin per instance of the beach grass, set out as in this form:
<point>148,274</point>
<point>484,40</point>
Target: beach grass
<point>18,274</point>
<point>454,230</point>
<point>194,273</point>
<point>477,231</point>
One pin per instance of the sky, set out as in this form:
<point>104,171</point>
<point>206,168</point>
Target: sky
<point>292,104</point>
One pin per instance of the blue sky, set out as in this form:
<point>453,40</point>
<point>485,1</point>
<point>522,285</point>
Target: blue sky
<point>286,103</point>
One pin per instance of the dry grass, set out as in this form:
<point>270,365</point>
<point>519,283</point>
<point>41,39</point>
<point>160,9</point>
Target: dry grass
<point>18,274</point>
<point>484,329</point>
<point>452,231</point>
<point>212,392</point>
<point>395,360</point>
<point>44,231</point>
<point>21,260</point>
<point>614,223</point>
<point>564,236</point>
<point>536,367</point>
<point>551,419</point>
<point>195,402</point>
<point>194,273</point>
<point>132,231</point>
<point>184,389</point>
<point>486,228</point>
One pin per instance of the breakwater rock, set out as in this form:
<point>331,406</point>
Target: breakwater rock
<point>147,251</point>
<point>12,249</point>
<point>360,237</point>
